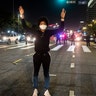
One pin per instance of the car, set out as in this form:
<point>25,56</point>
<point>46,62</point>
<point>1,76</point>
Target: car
<point>30,38</point>
<point>9,38</point>
<point>91,38</point>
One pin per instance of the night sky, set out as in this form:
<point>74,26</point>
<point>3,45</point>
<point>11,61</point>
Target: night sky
<point>50,8</point>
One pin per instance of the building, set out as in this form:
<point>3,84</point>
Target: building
<point>71,1</point>
<point>91,10</point>
<point>82,2</point>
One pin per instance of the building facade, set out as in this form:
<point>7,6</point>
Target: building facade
<point>91,10</point>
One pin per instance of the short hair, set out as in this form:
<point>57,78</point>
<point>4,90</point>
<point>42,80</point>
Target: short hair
<point>43,18</point>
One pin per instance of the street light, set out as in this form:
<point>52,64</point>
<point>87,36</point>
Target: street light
<point>18,21</point>
<point>94,21</point>
<point>13,9</point>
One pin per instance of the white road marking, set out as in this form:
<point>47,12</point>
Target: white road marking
<point>71,93</point>
<point>73,56</point>
<point>30,54</point>
<point>16,47</point>
<point>27,47</point>
<point>52,75</point>
<point>86,49</point>
<point>51,44</point>
<point>15,62</point>
<point>3,46</point>
<point>20,45</point>
<point>72,65</point>
<point>56,48</point>
<point>71,48</point>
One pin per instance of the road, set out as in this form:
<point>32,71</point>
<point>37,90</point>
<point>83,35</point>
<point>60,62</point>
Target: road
<point>72,70</point>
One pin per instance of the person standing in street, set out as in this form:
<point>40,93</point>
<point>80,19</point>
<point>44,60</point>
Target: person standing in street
<point>88,40</point>
<point>42,49</point>
<point>58,40</point>
<point>72,39</point>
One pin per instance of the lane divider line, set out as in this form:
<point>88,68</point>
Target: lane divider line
<point>72,65</point>
<point>73,56</point>
<point>30,54</point>
<point>15,62</point>
<point>71,93</point>
<point>52,75</point>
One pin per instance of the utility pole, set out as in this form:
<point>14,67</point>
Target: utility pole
<point>13,16</point>
<point>13,9</point>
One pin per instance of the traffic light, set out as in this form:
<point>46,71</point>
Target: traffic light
<point>61,1</point>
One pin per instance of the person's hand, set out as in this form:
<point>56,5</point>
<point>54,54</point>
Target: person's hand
<point>63,13</point>
<point>21,11</point>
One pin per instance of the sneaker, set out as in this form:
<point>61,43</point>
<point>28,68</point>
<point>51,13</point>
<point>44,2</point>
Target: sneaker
<point>35,93</point>
<point>46,93</point>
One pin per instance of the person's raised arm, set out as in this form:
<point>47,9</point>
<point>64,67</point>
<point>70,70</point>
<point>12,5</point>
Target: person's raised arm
<point>21,12</point>
<point>61,27</point>
<point>63,13</point>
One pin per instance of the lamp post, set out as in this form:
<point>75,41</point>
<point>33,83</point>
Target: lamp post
<point>13,15</point>
<point>18,21</point>
<point>13,9</point>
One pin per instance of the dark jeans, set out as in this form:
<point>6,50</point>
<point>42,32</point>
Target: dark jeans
<point>44,59</point>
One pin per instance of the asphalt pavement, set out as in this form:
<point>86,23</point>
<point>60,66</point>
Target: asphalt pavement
<point>72,70</point>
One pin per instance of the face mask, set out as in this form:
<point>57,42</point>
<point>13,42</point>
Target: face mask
<point>43,27</point>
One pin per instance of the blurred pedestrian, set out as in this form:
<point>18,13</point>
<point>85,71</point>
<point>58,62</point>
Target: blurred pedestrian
<point>58,40</point>
<point>88,40</point>
<point>72,38</point>
<point>65,38</point>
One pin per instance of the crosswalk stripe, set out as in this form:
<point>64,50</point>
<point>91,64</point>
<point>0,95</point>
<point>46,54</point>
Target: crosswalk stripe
<point>86,49</point>
<point>23,46</point>
<point>56,48</point>
<point>3,46</point>
<point>16,47</point>
<point>27,47</point>
<point>51,44</point>
<point>71,48</point>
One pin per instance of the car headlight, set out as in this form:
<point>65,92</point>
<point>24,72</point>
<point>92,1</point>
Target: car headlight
<point>4,38</point>
<point>28,38</point>
<point>34,39</point>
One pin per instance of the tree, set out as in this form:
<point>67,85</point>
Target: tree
<point>91,28</point>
